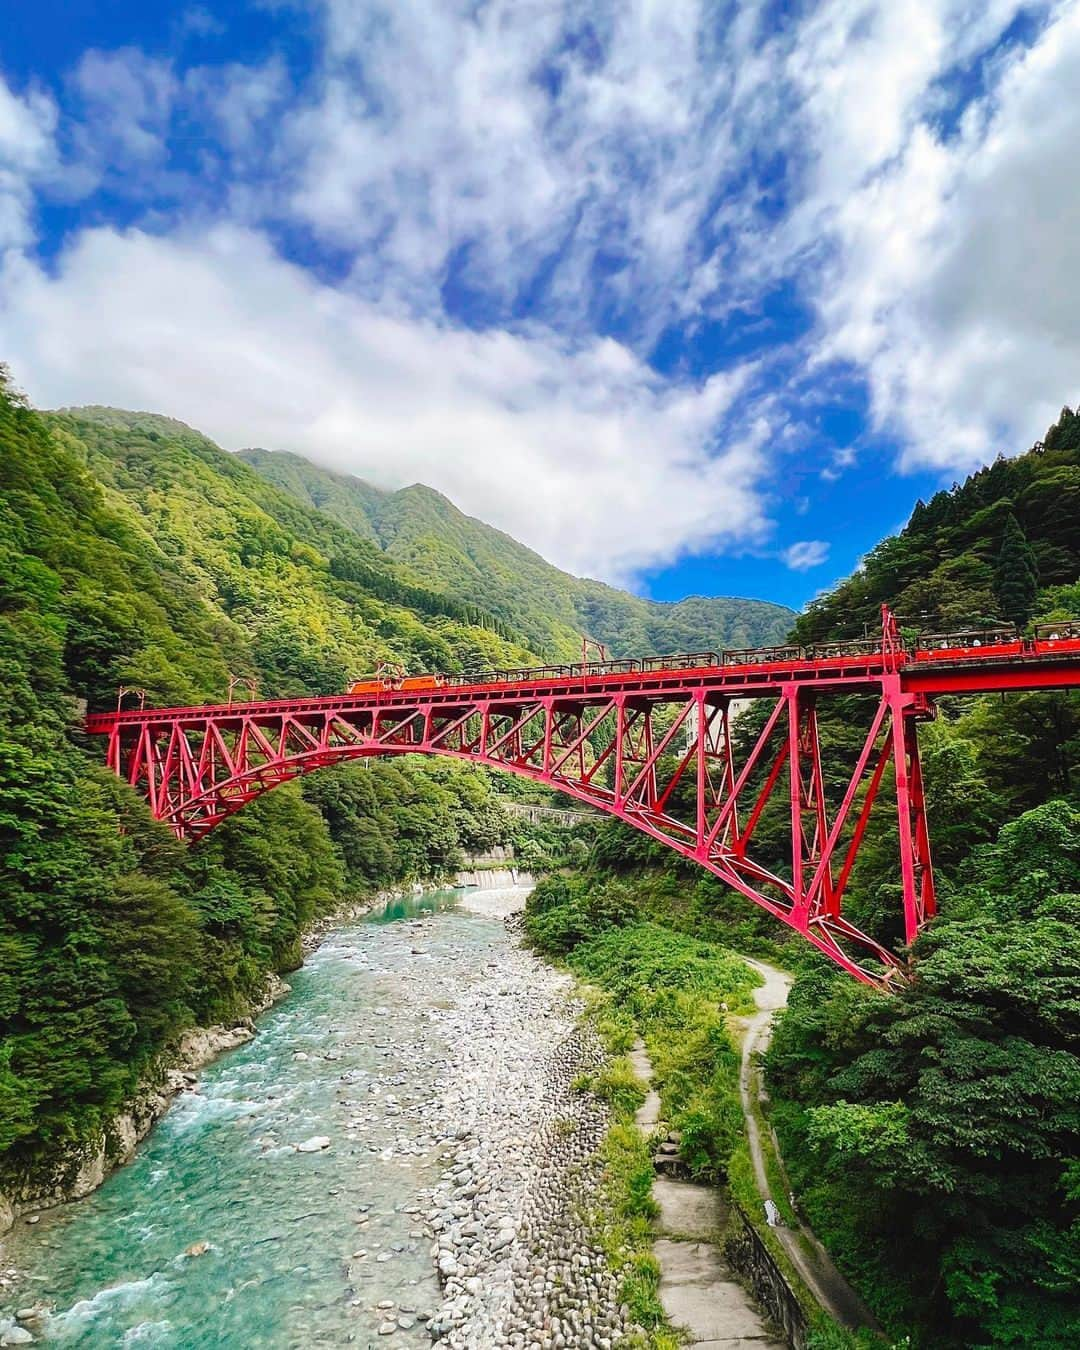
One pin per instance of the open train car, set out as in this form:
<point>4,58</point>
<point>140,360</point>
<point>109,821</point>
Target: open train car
<point>1000,642</point>
<point>1054,638</point>
<point>974,644</point>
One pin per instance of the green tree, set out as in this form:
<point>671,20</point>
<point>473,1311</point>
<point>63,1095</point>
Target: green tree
<point>1016,575</point>
<point>932,1133</point>
<point>134,551</point>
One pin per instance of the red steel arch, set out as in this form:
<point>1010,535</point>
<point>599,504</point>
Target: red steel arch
<point>656,748</point>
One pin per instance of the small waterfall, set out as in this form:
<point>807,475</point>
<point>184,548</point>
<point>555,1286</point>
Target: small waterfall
<point>494,878</point>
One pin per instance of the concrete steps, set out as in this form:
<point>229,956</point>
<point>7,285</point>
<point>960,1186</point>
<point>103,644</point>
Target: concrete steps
<point>698,1291</point>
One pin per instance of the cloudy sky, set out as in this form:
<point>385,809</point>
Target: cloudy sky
<point>688,296</point>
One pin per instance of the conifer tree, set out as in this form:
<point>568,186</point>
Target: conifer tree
<point>1016,576</point>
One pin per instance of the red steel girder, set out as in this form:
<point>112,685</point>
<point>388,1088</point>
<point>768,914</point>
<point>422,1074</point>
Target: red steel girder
<point>659,750</point>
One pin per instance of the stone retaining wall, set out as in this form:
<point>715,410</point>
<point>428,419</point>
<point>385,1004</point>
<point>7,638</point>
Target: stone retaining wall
<point>747,1253</point>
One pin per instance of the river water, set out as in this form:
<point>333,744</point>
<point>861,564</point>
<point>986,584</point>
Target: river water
<point>302,1247</point>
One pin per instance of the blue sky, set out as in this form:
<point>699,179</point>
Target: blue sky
<point>694,297</point>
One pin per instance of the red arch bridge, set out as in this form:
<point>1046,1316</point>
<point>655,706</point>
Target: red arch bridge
<point>652,742</point>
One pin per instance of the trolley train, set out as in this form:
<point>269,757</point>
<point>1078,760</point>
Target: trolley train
<point>982,644</point>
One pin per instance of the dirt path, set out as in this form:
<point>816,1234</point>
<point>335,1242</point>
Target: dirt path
<point>806,1253</point>
<point>698,1291</point>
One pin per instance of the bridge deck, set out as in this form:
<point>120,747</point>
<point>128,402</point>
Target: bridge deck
<point>971,674</point>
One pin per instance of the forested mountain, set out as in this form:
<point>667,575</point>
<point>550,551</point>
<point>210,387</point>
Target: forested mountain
<point>134,551</point>
<point>991,549</point>
<point>934,1136</point>
<point>297,600</point>
<point>458,555</point>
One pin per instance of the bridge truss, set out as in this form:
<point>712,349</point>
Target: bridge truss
<point>662,750</point>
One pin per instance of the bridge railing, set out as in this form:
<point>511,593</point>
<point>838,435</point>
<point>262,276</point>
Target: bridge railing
<point>680,661</point>
<point>752,1259</point>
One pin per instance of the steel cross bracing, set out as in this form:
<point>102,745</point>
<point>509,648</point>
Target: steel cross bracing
<point>658,750</point>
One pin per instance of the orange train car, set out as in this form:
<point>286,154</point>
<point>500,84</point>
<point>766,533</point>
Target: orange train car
<point>394,677</point>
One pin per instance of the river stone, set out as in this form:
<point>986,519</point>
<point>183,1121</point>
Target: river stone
<point>314,1144</point>
<point>16,1336</point>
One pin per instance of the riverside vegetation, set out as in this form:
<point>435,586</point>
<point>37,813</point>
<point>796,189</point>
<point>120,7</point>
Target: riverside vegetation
<point>674,991</point>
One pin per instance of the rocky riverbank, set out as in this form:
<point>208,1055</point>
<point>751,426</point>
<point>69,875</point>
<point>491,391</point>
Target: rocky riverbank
<point>516,1261</point>
<point>79,1169</point>
<point>416,1097</point>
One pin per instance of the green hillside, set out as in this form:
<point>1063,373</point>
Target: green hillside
<point>134,551</point>
<point>299,600</point>
<point>933,1137</point>
<point>456,554</point>
<point>991,549</point>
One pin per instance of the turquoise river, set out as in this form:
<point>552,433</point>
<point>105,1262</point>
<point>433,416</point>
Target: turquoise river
<point>293,1249</point>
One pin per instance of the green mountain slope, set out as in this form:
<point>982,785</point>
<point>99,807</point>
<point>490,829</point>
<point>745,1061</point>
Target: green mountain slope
<point>946,568</point>
<point>936,1131</point>
<point>462,556</point>
<point>134,551</point>
<point>301,602</point>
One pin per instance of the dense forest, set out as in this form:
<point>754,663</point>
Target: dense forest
<point>932,1135</point>
<point>469,560</point>
<point>134,551</point>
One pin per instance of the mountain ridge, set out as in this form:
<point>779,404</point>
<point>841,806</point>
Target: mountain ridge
<point>419,526</point>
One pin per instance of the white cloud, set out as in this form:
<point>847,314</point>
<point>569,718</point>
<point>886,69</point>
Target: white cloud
<point>245,105</point>
<point>509,139</point>
<point>197,21</point>
<point>956,284</point>
<point>804,555</point>
<point>865,72</point>
<point>625,164</point>
<point>27,154</point>
<point>127,101</point>
<point>578,449</point>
